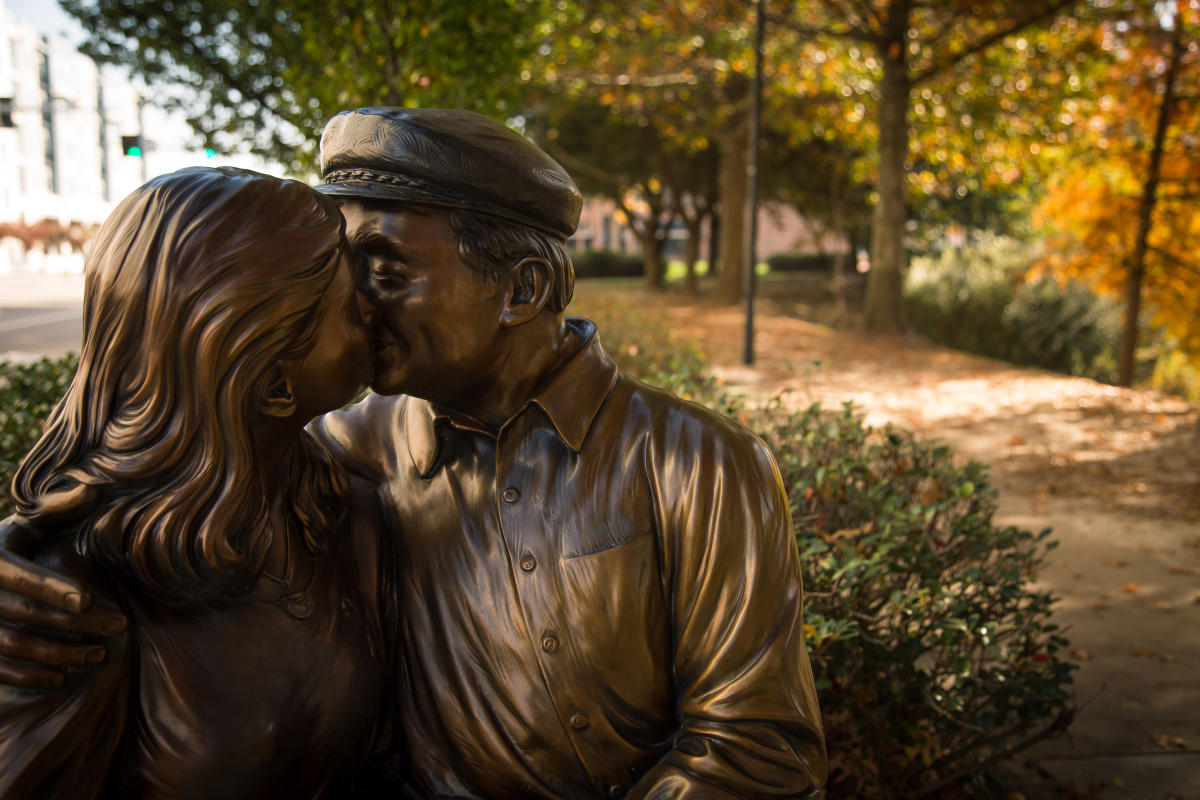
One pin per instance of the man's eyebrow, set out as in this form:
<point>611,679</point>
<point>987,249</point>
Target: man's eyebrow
<point>375,242</point>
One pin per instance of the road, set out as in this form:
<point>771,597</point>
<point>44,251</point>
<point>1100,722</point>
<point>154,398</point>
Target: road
<point>40,315</point>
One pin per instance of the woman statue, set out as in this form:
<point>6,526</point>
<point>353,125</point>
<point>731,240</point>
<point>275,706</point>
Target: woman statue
<point>220,316</point>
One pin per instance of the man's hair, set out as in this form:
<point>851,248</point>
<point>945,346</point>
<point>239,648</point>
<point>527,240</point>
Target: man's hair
<point>197,286</point>
<point>492,246</point>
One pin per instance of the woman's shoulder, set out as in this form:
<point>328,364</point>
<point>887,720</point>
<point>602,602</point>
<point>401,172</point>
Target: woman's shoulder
<point>56,550</point>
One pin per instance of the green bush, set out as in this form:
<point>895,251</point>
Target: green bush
<point>935,658</point>
<point>801,262</point>
<point>28,392</point>
<point>606,264</point>
<point>974,299</point>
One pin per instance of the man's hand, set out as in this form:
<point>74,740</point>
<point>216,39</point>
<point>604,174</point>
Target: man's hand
<point>45,624</point>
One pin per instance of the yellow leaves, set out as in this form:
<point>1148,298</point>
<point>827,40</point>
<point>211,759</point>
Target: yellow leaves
<point>1168,741</point>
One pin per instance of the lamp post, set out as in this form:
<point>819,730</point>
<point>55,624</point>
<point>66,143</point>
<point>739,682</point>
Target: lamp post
<point>752,180</point>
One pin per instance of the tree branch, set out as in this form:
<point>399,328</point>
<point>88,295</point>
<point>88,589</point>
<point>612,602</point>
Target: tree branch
<point>614,179</point>
<point>950,59</point>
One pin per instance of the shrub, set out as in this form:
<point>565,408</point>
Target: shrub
<point>975,299</point>
<point>606,264</point>
<point>934,657</point>
<point>28,392</point>
<point>803,262</point>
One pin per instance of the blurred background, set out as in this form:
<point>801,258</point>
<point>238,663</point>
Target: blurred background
<point>1017,179</point>
<point>974,230</point>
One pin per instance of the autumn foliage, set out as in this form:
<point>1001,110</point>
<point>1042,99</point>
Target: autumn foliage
<point>1121,213</point>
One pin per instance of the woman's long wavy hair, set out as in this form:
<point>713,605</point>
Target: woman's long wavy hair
<point>197,286</point>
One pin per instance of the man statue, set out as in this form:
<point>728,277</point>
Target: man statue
<point>598,590</point>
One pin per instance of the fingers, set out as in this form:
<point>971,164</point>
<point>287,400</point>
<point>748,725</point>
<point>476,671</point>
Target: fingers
<point>38,583</point>
<point>28,676</point>
<point>48,653</point>
<point>17,610</point>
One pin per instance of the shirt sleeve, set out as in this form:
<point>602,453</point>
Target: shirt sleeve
<point>63,743</point>
<point>749,722</point>
<point>363,438</point>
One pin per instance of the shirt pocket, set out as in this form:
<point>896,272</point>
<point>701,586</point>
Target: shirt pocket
<point>614,599</point>
<point>600,538</point>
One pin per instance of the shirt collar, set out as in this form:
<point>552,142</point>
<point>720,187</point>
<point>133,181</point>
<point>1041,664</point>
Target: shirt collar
<point>571,400</point>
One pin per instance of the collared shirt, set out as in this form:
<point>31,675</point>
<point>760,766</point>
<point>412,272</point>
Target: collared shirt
<point>601,599</point>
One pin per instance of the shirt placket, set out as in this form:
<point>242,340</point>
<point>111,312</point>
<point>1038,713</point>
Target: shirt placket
<point>521,468</point>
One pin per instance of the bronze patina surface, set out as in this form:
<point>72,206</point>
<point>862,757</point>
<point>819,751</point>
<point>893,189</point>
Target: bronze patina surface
<point>176,484</point>
<point>597,590</point>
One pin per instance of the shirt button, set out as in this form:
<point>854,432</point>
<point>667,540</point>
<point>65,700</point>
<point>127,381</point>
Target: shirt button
<point>616,790</point>
<point>549,642</point>
<point>528,562</point>
<point>580,721</point>
<point>511,495</point>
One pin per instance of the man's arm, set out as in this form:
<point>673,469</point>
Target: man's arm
<point>46,619</point>
<point>750,726</point>
<point>62,744</point>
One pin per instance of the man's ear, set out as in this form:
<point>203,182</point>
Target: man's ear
<point>527,291</point>
<point>277,398</point>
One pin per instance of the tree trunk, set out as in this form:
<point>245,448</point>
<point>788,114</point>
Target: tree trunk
<point>1137,265</point>
<point>652,264</point>
<point>734,190</point>
<point>884,311</point>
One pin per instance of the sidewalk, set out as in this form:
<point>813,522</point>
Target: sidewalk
<point>40,315</point>
<point>41,291</point>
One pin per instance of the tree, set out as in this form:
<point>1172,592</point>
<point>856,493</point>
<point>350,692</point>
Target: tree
<point>904,44</point>
<point>254,73</point>
<point>683,68</point>
<point>613,157</point>
<point>1122,211</point>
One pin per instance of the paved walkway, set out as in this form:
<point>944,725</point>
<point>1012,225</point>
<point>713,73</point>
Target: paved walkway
<point>40,315</point>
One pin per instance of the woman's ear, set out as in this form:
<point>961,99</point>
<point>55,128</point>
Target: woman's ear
<point>527,291</point>
<point>277,399</point>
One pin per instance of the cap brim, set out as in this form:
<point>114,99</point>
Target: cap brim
<point>367,190</point>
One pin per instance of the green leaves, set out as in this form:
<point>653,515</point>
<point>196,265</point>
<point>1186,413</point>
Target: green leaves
<point>247,72</point>
<point>28,393</point>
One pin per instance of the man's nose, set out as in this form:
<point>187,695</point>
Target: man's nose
<point>367,307</point>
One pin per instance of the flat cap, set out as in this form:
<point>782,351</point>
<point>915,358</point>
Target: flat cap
<point>448,158</point>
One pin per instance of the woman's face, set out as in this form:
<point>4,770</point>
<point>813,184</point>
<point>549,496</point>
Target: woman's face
<point>338,366</point>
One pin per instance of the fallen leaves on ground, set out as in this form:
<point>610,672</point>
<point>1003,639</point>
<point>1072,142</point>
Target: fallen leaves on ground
<point>1169,741</point>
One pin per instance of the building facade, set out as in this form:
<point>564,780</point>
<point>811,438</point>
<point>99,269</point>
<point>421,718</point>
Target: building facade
<point>62,120</point>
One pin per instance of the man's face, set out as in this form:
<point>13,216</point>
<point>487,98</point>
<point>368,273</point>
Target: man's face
<point>439,319</point>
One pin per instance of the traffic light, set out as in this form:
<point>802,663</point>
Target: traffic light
<point>209,152</point>
<point>6,112</point>
<point>132,146</point>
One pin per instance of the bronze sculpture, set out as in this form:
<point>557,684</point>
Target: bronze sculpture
<point>221,315</point>
<point>597,591</point>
